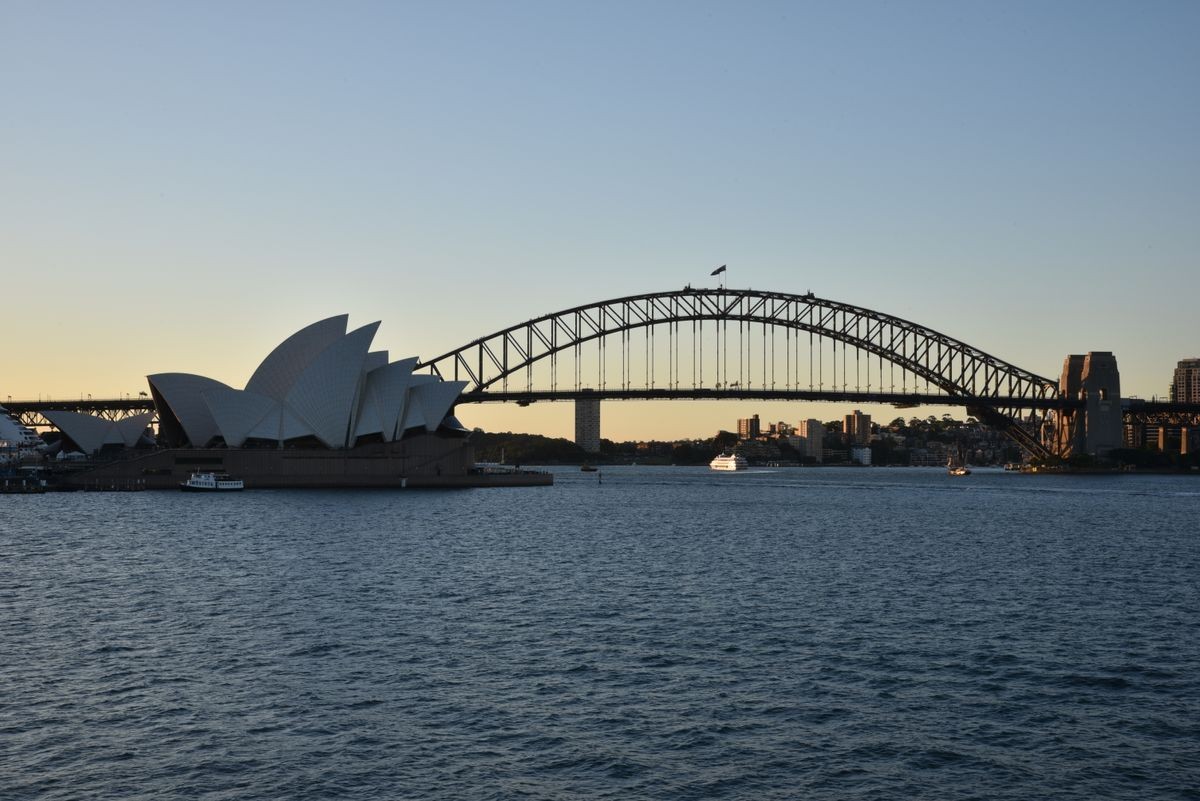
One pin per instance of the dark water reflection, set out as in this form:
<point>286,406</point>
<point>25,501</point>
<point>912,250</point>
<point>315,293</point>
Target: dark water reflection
<point>669,633</point>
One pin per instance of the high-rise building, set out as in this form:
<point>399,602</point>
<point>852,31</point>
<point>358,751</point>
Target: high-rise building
<point>748,427</point>
<point>587,424</point>
<point>856,428</point>
<point>1185,385</point>
<point>813,432</point>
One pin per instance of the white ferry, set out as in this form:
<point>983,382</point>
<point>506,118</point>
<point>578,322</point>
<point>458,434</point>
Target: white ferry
<point>729,461</point>
<point>17,441</point>
<point>211,482</point>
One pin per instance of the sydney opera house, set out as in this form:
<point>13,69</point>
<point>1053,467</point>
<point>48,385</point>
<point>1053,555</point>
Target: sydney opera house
<point>321,410</point>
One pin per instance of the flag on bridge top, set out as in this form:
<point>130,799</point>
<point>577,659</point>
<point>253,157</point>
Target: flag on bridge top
<point>718,271</point>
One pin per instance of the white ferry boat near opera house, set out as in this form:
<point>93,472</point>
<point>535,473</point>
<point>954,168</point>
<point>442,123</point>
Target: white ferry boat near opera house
<point>211,482</point>
<point>729,461</point>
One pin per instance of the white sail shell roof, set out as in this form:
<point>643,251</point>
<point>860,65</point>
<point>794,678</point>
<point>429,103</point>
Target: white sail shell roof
<point>270,427</point>
<point>435,399</point>
<point>131,429</point>
<point>91,433</point>
<point>375,360</point>
<point>383,399</point>
<point>414,411</point>
<point>237,412</point>
<point>183,394</point>
<point>283,366</point>
<point>325,393</point>
<point>88,431</point>
<point>320,382</point>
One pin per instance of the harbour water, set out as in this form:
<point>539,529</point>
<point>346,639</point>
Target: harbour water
<point>644,632</point>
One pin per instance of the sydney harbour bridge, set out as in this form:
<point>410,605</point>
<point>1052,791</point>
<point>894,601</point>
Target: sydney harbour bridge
<point>744,344</point>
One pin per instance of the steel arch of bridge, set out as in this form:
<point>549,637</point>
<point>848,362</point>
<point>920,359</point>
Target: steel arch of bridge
<point>949,364</point>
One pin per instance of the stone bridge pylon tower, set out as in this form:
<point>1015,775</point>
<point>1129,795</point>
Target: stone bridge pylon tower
<point>1095,427</point>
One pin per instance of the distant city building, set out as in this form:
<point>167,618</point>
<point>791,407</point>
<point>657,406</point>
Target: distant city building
<point>860,454</point>
<point>1185,385</point>
<point>857,428</point>
<point>748,427</point>
<point>813,434</point>
<point>835,456</point>
<point>587,424</point>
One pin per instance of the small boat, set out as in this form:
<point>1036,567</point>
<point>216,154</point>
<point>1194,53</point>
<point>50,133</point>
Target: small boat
<point>956,465</point>
<point>587,468</point>
<point>211,482</point>
<point>729,461</point>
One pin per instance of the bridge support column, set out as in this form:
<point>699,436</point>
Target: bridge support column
<point>1097,427</point>
<point>587,424</point>
<point>1162,439</point>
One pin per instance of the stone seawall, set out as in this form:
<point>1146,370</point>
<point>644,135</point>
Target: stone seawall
<point>421,461</point>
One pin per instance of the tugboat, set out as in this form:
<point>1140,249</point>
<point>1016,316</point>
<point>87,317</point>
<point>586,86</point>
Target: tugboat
<point>211,482</point>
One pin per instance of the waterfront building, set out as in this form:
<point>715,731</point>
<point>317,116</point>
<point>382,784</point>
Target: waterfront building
<point>748,427</point>
<point>587,424</point>
<point>1185,384</point>
<point>321,410</point>
<point>813,434</point>
<point>321,386</point>
<point>856,428</point>
<point>835,456</point>
<point>860,454</point>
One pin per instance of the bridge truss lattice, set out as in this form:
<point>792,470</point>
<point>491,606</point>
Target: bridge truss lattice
<point>725,343</point>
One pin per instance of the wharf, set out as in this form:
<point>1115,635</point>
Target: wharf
<point>427,464</point>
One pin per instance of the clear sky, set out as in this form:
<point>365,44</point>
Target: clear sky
<point>183,185</point>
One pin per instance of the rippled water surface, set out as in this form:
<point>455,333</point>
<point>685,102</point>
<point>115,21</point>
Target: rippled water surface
<point>667,633</point>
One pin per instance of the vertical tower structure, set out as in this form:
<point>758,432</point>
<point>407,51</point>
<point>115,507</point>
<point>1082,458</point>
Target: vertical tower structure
<point>1096,428</point>
<point>587,424</point>
<point>856,428</point>
<point>749,427</point>
<point>813,432</point>
<point>1185,383</point>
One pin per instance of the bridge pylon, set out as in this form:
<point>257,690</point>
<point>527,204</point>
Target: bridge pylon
<point>587,424</point>
<point>1094,427</point>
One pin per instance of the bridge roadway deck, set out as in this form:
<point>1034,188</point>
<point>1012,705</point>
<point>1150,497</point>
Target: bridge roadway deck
<point>1131,406</point>
<point>898,399</point>
<point>132,405</point>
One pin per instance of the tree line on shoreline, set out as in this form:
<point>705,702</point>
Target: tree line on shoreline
<point>901,442</point>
